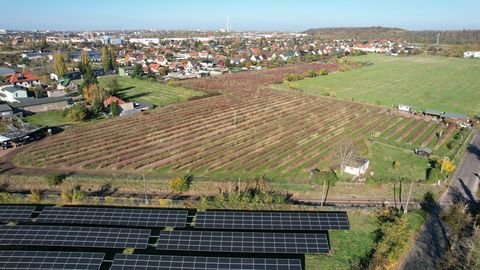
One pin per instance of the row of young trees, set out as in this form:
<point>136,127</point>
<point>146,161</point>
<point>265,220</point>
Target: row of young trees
<point>109,61</point>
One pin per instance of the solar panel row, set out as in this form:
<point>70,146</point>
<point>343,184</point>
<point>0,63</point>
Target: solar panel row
<point>243,242</point>
<point>114,216</point>
<point>59,236</point>
<point>51,260</point>
<point>20,213</point>
<point>151,262</point>
<point>305,221</point>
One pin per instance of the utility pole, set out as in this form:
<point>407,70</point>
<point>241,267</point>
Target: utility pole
<point>408,198</point>
<point>145,186</point>
<point>438,39</point>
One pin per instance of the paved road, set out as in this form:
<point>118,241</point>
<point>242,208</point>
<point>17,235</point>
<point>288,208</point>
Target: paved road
<point>464,183</point>
<point>432,241</point>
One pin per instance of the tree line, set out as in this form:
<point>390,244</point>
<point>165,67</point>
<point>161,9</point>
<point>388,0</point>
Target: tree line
<point>426,36</point>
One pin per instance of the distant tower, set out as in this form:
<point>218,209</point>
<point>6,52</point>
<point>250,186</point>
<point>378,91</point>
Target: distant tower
<point>228,24</point>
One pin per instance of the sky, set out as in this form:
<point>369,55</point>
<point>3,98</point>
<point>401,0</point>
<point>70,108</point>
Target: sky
<point>258,15</point>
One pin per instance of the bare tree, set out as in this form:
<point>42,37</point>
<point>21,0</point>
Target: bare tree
<point>346,154</point>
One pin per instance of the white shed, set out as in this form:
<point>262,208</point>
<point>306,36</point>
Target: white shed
<point>357,166</point>
<point>404,108</point>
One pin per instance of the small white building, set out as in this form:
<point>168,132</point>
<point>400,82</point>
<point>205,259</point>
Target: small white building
<point>10,93</point>
<point>357,166</point>
<point>404,108</point>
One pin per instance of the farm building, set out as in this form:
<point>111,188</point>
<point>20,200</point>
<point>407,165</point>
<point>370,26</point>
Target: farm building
<point>455,117</point>
<point>447,116</point>
<point>357,166</point>
<point>433,114</point>
<point>424,152</point>
<point>35,105</point>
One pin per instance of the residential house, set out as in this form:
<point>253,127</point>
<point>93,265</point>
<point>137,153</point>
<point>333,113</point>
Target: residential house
<point>218,63</point>
<point>64,87</point>
<point>124,106</point>
<point>11,93</point>
<point>192,65</point>
<point>162,61</point>
<point>24,79</point>
<point>256,58</point>
<point>155,68</point>
<point>76,75</point>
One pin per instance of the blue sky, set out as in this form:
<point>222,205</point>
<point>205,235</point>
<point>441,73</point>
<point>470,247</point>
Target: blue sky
<point>281,15</point>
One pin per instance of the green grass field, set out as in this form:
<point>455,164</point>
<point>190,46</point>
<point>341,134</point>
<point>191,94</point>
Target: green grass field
<point>382,156</point>
<point>151,92</point>
<point>347,247</point>
<point>53,118</point>
<point>439,83</point>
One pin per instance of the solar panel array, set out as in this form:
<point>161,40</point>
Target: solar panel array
<point>53,260</point>
<point>258,232</point>
<point>66,236</point>
<point>304,221</point>
<point>18,213</point>
<point>243,242</point>
<point>151,262</point>
<point>114,216</point>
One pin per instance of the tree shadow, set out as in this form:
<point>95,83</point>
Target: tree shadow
<point>471,201</point>
<point>474,150</point>
<point>432,242</point>
<point>133,97</point>
<point>126,88</point>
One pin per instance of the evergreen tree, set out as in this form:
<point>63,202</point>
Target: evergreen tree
<point>137,71</point>
<point>43,44</point>
<point>85,59</point>
<point>113,59</point>
<point>97,106</point>
<point>114,109</point>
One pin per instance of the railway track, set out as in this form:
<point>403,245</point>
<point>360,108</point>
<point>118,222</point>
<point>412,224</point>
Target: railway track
<point>139,199</point>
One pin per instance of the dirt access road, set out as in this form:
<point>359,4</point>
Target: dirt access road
<point>432,241</point>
